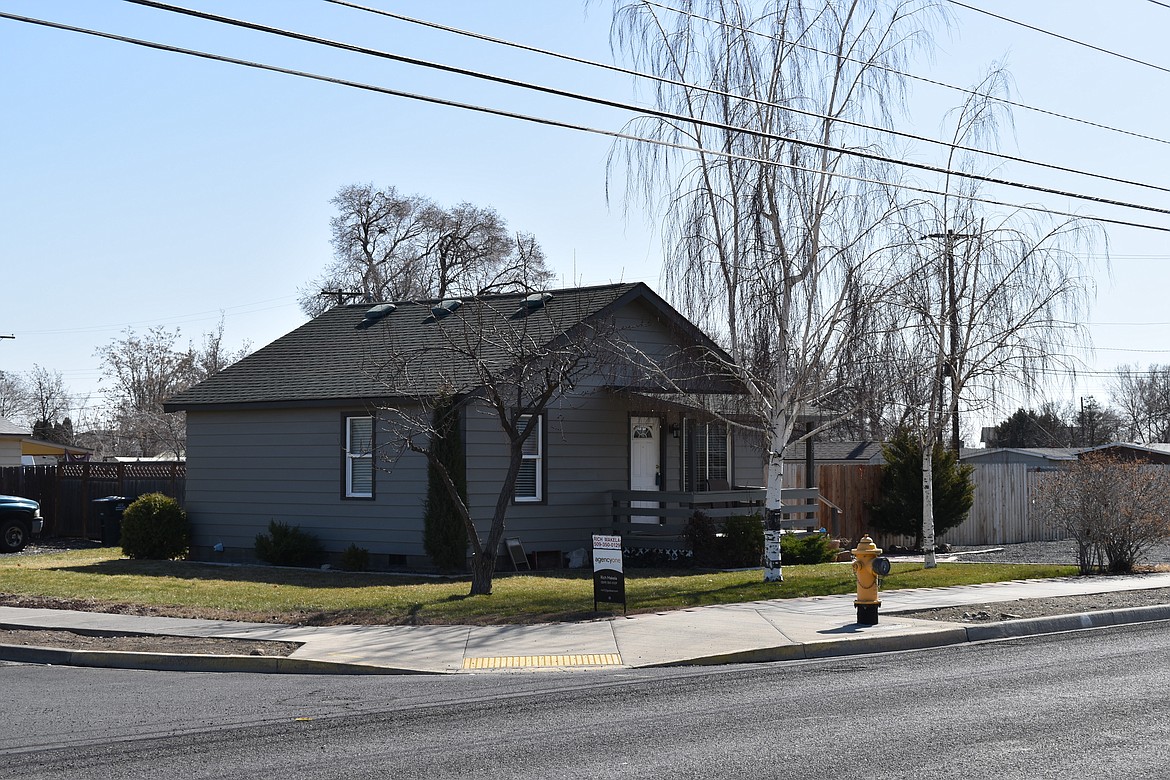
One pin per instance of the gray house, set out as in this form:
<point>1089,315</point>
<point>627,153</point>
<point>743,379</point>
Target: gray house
<point>308,430</point>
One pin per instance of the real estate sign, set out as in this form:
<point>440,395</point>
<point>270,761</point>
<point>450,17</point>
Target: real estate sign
<point>609,578</point>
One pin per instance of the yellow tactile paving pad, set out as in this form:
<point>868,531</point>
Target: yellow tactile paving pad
<point>536,661</point>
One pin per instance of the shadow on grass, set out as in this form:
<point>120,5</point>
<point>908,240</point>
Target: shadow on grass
<point>268,575</point>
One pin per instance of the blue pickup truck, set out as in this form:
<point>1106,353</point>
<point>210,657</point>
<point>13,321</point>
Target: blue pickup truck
<point>20,519</point>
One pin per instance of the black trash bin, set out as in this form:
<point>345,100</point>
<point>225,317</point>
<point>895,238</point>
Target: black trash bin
<point>108,514</point>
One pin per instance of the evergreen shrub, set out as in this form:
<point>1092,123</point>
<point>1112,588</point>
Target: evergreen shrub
<point>444,530</point>
<point>355,559</point>
<point>737,543</point>
<point>155,527</point>
<point>810,549</point>
<point>286,545</point>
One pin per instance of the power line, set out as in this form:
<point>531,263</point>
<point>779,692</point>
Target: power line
<point>708,90</point>
<point>1058,36</point>
<point>923,79</point>
<point>629,137</point>
<point>173,320</point>
<point>642,109</point>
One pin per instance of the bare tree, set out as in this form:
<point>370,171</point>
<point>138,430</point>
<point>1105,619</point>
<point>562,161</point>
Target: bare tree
<point>143,371</point>
<point>391,247</point>
<point>14,396</point>
<point>1114,509</point>
<point>994,297</point>
<point>492,361</point>
<point>48,400</point>
<point>1142,398</point>
<point>774,231</point>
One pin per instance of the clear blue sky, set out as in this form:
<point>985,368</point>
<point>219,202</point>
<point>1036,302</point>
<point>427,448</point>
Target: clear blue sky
<point>143,188</point>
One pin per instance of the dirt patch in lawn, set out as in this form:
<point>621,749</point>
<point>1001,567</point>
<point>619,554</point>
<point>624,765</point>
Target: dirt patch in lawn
<point>1045,607</point>
<point>137,643</point>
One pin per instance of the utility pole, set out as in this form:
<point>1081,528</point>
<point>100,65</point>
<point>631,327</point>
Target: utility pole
<point>1088,421</point>
<point>342,296</point>
<point>951,308</point>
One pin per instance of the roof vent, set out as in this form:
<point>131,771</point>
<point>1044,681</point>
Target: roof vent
<point>533,302</point>
<point>374,314</point>
<point>444,308</point>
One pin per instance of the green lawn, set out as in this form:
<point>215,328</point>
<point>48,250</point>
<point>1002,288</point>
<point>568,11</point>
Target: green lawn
<point>101,579</point>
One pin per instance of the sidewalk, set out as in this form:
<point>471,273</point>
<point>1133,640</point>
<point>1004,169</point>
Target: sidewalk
<point>782,629</point>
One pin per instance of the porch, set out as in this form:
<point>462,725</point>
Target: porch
<point>662,515</point>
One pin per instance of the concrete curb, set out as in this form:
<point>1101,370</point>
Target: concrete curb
<point>946,635</point>
<point>177,662</point>
<point>829,649</point>
<point>1010,629</point>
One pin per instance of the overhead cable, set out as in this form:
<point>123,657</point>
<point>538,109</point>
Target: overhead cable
<point>643,110</point>
<point>924,79</point>
<point>1058,36</point>
<point>596,131</point>
<point>716,92</point>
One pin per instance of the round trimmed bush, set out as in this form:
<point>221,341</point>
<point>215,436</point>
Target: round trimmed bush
<point>155,527</point>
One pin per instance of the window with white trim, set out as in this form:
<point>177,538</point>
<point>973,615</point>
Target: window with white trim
<point>359,457</point>
<point>530,479</point>
<point>706,454</point>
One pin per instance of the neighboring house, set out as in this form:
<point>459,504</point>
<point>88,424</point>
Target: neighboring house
<point>1006,482</point>
<point>18,448</point>
<point>302,430</point>
<point>836,453</point>
<point>11,438</point>
<point>1055,457</point>
<point>1126,451</point>
<point>1036,457</point>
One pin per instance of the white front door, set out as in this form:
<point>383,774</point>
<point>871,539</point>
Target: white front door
<point>645,462</point>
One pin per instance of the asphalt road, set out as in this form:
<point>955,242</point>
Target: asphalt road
<point>1085,704</point>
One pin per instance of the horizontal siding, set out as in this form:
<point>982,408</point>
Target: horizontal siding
<point>247,468</point>
<point>587,455</point>
<point>587,447</point>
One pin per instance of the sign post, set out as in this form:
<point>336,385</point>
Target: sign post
<point>609,578</point>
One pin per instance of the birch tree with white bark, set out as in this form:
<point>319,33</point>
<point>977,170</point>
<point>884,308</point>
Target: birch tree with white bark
<point>775,231</point>
<point>997,295</point>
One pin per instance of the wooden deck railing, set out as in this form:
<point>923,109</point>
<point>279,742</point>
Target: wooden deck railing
<point>666,517</point>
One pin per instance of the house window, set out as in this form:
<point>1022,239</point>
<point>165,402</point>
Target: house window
<point>359,457</point>
<point>706,455</point>
<point>530,480</point>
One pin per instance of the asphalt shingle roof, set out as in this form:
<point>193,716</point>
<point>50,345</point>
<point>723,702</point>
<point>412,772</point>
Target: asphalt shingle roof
<point>330,358</point>
<point>9,428</point>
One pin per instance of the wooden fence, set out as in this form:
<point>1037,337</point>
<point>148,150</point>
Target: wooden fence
<point>1002,512</point>
<point>66,492</point>
<point>849,488</point>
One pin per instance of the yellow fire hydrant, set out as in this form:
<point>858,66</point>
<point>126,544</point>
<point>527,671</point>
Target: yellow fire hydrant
<point>867,567</point>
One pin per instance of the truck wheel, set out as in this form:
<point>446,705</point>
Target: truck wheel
<point>13,536</point>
